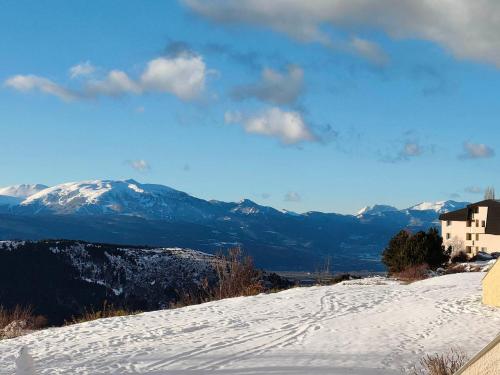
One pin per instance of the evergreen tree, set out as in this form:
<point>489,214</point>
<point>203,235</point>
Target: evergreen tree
<point>406,250</point>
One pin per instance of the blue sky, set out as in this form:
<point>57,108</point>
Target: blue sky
<point>316,108</point>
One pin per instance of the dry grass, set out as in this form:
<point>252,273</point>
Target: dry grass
<point>413,273</point>
<point>236,277</point>
<point>19,320</point>
<point>440,364</point>
<point>107,311</point>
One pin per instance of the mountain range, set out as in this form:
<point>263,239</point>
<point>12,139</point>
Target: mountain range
<point>129,212</point>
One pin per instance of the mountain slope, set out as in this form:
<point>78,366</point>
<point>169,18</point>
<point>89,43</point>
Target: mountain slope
<point>360,327</point>
<point>63,278</point>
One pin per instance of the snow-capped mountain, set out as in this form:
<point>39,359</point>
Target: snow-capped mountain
<point>375,210</point>
<point>22,191</point>
<point>13,195</point>
<point>439,207</point>
<point>129,197</point>
<point>132,213</point>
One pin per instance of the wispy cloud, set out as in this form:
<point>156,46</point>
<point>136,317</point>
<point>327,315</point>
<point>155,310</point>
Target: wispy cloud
<point>476,151</point>
<point>369,50</point>
<point>292,196</point>
<point>82,69</point>
<point>274,87</point>
<point>183,76</point>
<point>288,126</point>
<point>27,83</point>
<point>474,190</point>
<point>409,149</point>
<point>139,165</point>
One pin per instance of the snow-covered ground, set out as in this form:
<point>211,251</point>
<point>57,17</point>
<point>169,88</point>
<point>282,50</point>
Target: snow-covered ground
<point>369,326</point>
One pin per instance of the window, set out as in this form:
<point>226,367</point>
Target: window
<point>468,236</point>
<point>476,210</point>
<point>477,223</point>
<point>448,236</point>
<point>468,249</point>
<point>483,249</point>
<point>477,236</point>
<point>448,223</point>
<point>468,223</point>
<point>483,223</point>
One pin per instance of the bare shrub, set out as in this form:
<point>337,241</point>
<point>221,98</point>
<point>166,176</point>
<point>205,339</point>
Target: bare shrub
<point>413,273</point>
<point>237,276</point>
<point>107,311</point>
<point>19,320</point>
<point>440,364</point>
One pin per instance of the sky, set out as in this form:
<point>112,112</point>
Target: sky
<point>325,105</point>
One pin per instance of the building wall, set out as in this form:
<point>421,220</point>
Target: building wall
<point>486,362</point>
<point>470,236</point>
<point>491,286</point>
<point>456,231</point>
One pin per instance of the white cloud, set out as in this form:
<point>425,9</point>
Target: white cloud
<point>274,87</point>
<point>82,69</point>
<point>292,196</point>
<point>469,29</point>
<point>477,151</point>
<point>116,83</point>
<point>288,127</point>
<point>139,165</point>
<point>183,76</point>
<point>26,83</point>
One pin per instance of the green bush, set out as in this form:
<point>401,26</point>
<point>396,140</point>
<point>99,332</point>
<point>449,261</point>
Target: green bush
<point>407,250</point>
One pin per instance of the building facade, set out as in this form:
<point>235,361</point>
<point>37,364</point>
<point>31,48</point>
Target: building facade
<point>491,286</point>
<point>474,228</point>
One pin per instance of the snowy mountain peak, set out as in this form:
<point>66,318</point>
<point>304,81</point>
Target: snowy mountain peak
<point>439,206</point>
<point>376,210</point>
<point>127,197</point>
<point>22,191</point>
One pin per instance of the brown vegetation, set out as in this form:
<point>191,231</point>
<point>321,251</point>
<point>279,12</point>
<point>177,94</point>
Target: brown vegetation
<point>19,320</point>
<point>440,364</point>
<point>107,311</point>
<point>413,273</point>
<point>236,277</point>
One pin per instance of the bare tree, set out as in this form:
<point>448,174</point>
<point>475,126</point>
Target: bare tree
<point>489,192</point>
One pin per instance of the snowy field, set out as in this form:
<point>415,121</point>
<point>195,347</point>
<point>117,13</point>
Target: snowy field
<point>372,326</point>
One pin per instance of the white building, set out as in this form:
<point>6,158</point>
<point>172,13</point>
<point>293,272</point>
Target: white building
<point>474,228</point>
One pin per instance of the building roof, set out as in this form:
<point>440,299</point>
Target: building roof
<point>464,214</point>
<point>458,215</point>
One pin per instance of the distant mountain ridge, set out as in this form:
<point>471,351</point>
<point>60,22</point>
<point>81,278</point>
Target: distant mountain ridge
<point>129,212</point>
